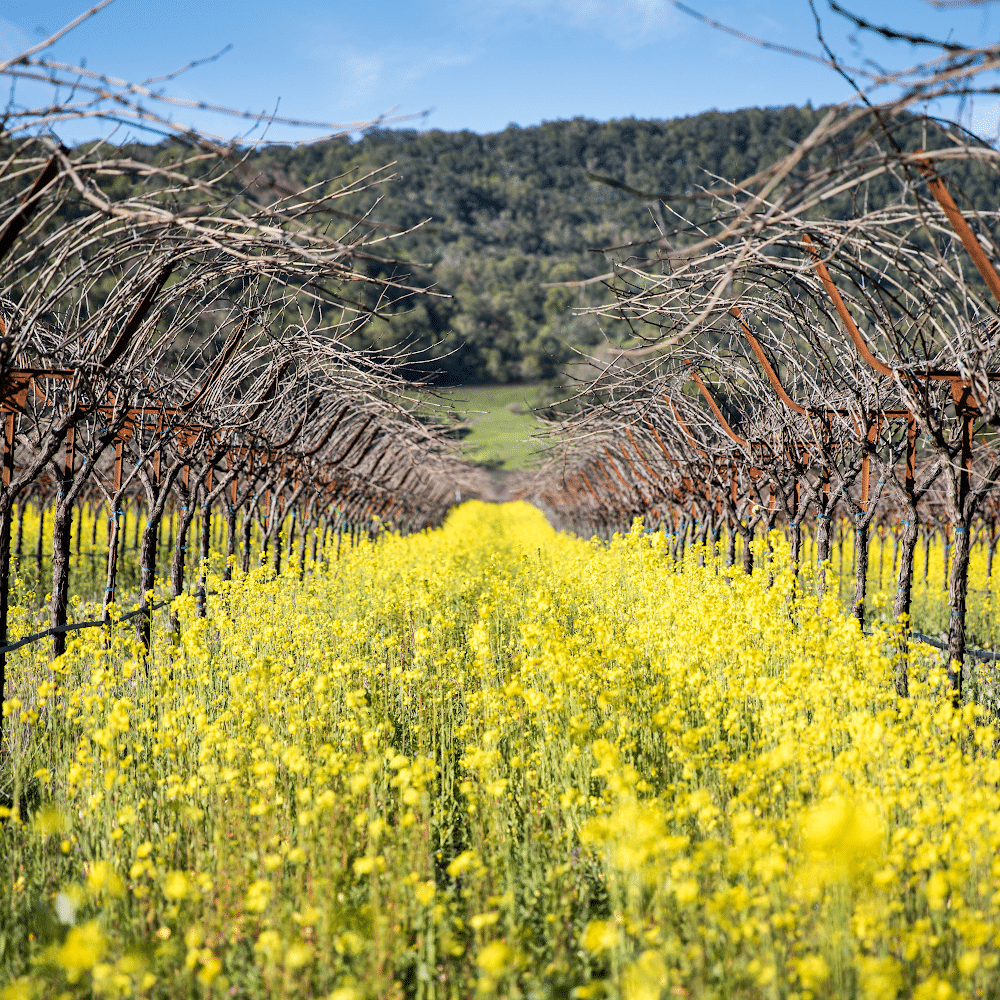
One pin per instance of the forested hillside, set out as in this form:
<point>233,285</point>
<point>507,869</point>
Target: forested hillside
<point>510,211</point>
<point>513,210</point>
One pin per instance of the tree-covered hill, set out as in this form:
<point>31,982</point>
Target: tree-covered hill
<point>513,210</point>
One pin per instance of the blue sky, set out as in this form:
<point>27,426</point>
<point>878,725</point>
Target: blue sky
<point>480,64</point>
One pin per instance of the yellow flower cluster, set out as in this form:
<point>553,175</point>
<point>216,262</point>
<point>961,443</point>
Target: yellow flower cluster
<point>491,759</point>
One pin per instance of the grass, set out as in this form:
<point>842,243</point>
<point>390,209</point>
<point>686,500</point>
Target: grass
<point>501,423</point>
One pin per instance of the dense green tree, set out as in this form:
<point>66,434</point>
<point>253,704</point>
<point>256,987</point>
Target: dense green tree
<point>504,214</point>
<point>499,216</point>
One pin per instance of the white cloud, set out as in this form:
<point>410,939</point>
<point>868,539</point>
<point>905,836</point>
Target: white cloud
<point>360,74</point>
<point>363,75</point>
<point>13,40</point>
<point>627,22</point>
<point>983,118</point>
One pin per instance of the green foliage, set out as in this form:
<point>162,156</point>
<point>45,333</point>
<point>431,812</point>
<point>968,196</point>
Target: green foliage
<point>508,212</point>
<point>498,216</point>
<point>511,211</point>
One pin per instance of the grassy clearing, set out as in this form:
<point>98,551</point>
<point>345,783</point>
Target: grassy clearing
<point>501,423</point>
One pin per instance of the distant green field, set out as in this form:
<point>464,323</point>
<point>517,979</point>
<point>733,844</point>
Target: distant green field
<point>501,422</point>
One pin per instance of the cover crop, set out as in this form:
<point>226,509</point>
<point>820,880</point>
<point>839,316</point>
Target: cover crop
<point>491,759</point>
